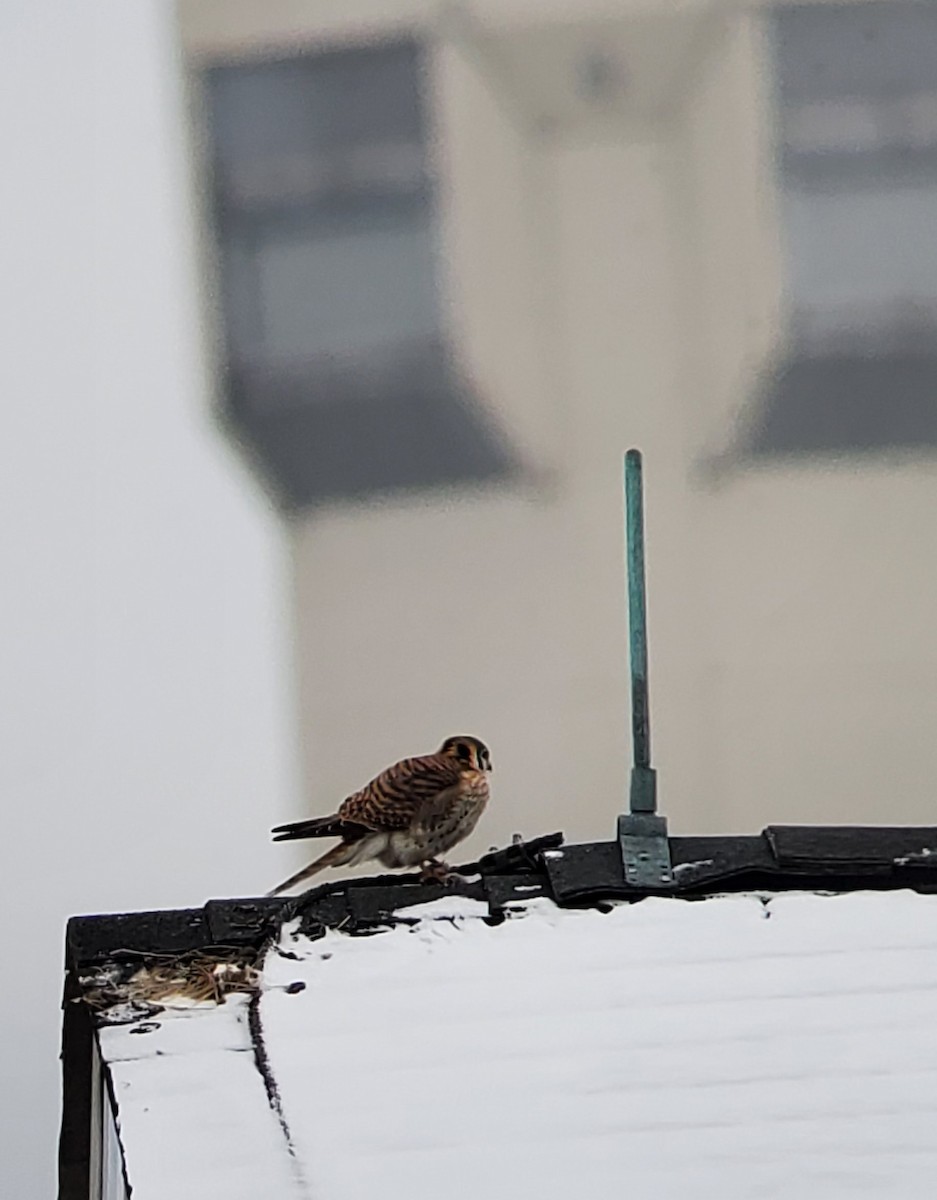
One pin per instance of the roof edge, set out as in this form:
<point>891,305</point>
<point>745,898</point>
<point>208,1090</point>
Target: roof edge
<point>782,857</point>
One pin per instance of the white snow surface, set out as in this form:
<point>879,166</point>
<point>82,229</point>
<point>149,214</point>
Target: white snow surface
<point>192,1110</point>
<point>733,1047</point>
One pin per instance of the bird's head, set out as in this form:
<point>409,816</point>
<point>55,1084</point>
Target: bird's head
<point>469,751</point>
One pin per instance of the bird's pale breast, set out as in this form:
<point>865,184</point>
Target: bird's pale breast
<point>453,817</point>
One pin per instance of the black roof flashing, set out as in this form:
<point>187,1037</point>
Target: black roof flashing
<point>781,858</point>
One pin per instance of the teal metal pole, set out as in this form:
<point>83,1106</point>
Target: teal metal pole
<point>642,834</point>
<point>643,786</point>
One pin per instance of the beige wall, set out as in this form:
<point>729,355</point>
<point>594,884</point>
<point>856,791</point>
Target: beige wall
<point>504,614</point>
<point>793,643</point>
<point>824,647</point>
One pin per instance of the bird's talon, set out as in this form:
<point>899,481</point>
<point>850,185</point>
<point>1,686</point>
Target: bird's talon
<point>437,872</point>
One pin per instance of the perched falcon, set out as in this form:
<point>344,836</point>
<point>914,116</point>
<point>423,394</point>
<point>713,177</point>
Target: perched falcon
<point>415,810</point>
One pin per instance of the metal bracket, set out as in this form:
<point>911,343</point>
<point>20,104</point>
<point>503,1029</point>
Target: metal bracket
<point>645,848</point>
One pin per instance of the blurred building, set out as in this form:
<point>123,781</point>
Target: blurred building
<point>461,256</point>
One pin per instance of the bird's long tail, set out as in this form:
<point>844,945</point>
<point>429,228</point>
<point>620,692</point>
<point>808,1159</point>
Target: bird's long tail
<point>314,827</point>
<point>338,856</point>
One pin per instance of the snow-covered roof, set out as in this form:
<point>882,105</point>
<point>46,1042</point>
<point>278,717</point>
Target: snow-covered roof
<point>739,1045</point>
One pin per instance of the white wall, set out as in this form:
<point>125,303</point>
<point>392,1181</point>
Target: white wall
<point>144,639</point>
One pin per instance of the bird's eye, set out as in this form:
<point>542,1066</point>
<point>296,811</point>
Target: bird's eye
<point>464,751</point>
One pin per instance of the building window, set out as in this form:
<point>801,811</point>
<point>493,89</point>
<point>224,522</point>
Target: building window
<point>337,371</point>
<point>857,108</point>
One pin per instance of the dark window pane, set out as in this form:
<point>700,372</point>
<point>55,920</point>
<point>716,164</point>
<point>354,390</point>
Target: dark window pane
<point>379,282</point>
<point>337,373</point>
<point>857,99</point>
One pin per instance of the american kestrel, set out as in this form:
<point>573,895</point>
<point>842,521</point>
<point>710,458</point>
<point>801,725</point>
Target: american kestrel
<point>415,810</point>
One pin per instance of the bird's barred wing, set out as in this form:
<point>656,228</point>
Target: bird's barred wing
<point>392,800</point>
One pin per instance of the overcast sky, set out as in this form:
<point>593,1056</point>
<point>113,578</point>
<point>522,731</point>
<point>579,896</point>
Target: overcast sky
<point>143,633</point>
